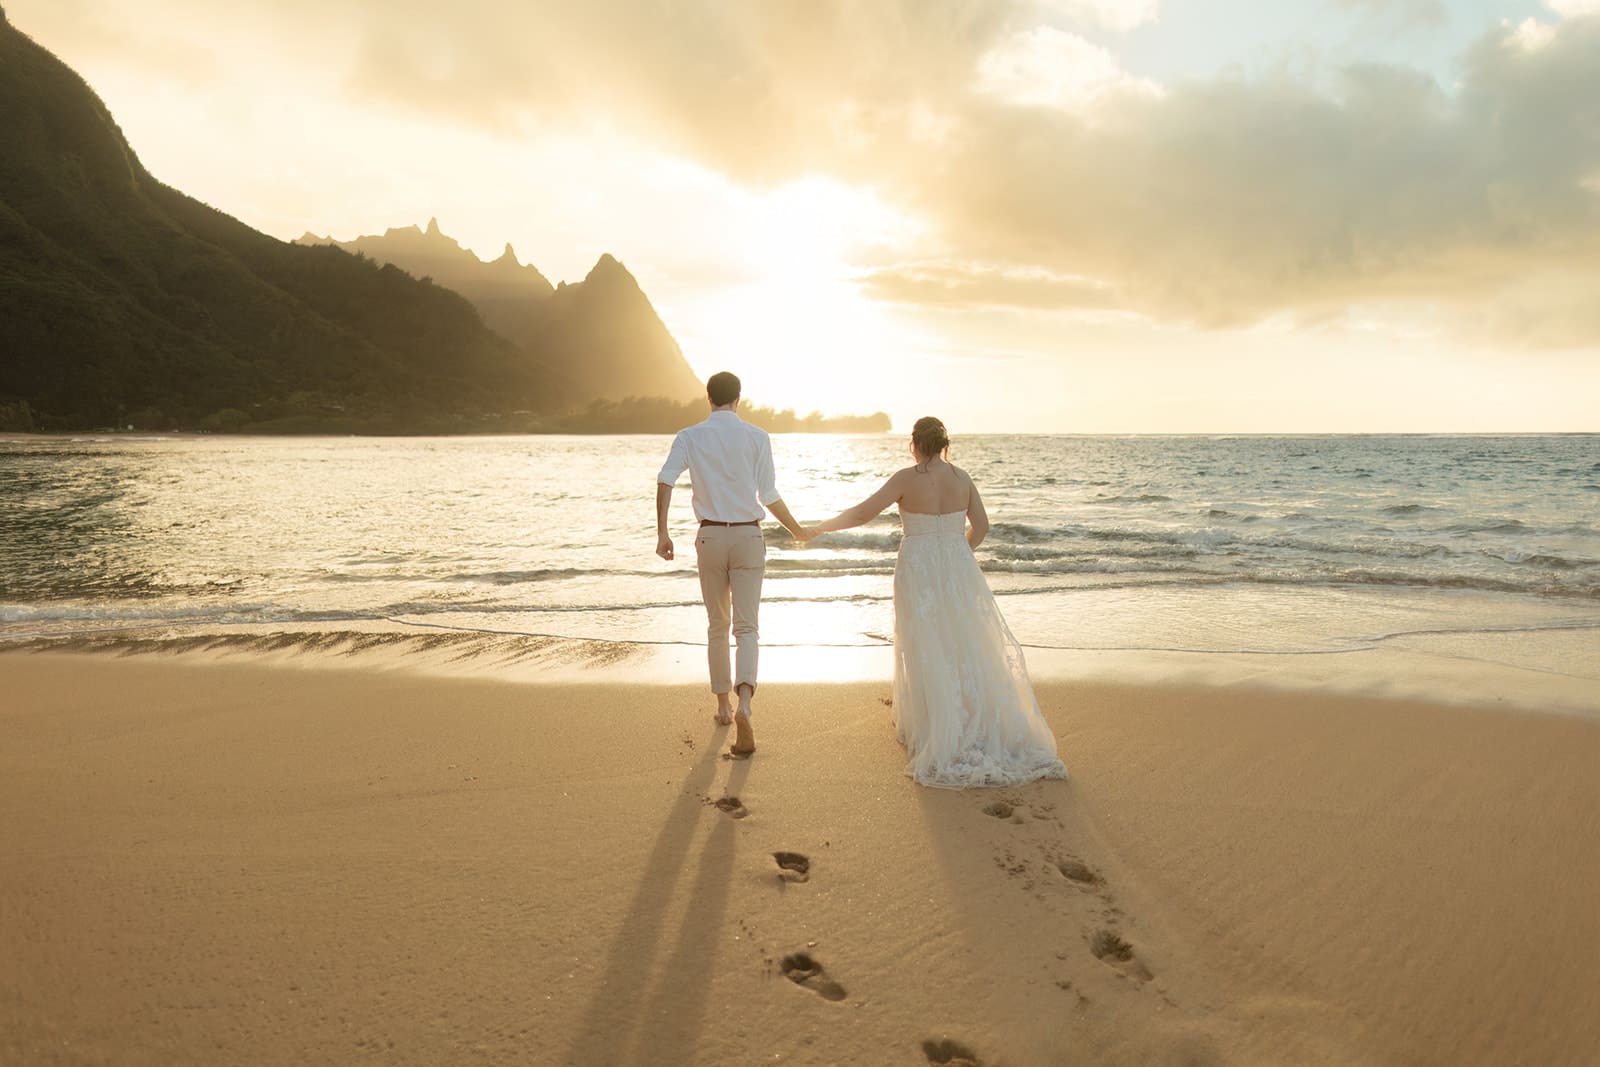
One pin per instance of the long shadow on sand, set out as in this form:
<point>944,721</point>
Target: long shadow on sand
<point>670,1022</point>
<point>666,1015</point>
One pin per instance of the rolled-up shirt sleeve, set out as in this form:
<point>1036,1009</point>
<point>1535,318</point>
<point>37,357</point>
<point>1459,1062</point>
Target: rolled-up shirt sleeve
<point>677,462</point>
<point>766,476</point>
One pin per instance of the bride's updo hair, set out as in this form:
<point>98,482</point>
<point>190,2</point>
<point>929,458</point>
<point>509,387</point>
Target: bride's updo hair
<point>929,438</point>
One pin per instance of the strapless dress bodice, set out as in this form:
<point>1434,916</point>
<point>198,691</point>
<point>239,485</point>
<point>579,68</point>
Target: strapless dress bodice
<point>918,524</point>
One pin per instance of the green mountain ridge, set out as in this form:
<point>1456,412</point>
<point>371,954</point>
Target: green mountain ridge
<point>124,301</point>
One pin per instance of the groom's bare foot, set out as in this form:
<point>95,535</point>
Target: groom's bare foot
<point>744,743</point>
<point>724,711</point>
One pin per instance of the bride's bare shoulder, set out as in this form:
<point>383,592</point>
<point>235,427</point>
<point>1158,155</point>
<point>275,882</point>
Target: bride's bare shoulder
<point>966,480</point>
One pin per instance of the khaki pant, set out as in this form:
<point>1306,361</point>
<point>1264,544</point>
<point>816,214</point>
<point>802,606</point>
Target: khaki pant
<point>732,561</point>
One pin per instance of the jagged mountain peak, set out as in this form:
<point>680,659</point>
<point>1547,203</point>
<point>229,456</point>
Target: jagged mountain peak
<point>432,233</point>
<point>602,335</point>
<point>436,254</point>
<point>608,269</point>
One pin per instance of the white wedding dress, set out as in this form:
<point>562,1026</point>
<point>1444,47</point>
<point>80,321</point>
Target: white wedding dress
<point>963,705</point>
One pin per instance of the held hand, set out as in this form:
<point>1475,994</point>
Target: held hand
<point>664,547</point>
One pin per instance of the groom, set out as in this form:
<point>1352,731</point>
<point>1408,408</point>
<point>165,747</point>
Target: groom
<point>730,465</point>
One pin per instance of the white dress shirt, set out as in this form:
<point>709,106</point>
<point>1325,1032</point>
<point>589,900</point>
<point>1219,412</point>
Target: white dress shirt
<point>730,463</point>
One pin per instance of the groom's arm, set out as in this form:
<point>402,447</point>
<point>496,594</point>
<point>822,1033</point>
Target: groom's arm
<point>677,463</point>
<point>663,505</point>
<point>767,491</point>
<point>780,511</point>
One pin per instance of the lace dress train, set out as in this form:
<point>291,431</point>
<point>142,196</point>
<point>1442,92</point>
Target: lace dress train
<point>963,705</point>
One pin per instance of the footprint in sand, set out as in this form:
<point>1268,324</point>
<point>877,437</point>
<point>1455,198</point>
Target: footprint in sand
<point>1078,871</point>
<point>793,866</point>
<point>1109,948</point>
<point>947,1053</point>
<point>999,810</point>
<point>731,806</point>
<point>804,971</point>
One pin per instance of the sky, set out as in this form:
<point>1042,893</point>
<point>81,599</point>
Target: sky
<point>1075,216</point>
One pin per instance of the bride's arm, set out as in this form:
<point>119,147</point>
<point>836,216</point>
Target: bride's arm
<point>977,517</point>
<point>865,511</point>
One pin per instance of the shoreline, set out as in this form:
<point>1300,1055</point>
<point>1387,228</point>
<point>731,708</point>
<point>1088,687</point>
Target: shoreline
<point>236,862</point>
<point>1550,669</point>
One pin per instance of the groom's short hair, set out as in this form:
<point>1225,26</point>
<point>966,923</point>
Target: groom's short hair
<point>722,389</point>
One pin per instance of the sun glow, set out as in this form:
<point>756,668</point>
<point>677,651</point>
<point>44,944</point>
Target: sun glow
<point>797,320</point>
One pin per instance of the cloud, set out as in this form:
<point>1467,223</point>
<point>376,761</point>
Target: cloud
<point>957,286</point>
<point>1223,203</point>
<point>168,54</point>
<point>1047,67</point>
<point>1116,15</point>
<point>1572,8</point>
<point>1548,310</point>
<point>1403,12</point>
<point>1530,34</point>
<point>764,91</point>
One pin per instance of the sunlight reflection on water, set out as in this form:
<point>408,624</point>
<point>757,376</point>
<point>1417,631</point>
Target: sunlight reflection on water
<point>1184,546</point>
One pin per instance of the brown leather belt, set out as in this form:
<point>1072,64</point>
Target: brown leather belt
<point>714,522</point>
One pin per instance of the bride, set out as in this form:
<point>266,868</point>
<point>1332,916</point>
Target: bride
<point>963,705</point>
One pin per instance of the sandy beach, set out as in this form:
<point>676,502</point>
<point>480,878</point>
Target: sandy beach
<point>223,862</point>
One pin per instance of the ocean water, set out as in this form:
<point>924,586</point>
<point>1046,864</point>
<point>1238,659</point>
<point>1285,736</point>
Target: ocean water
<point>1192,546</point>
